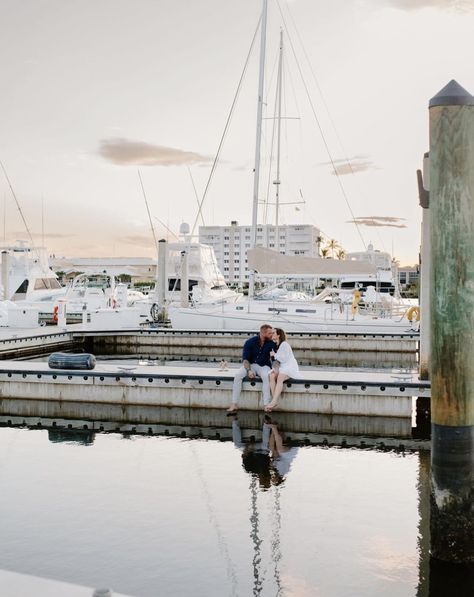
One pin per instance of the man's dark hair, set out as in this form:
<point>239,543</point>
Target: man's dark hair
<point>265,326</point>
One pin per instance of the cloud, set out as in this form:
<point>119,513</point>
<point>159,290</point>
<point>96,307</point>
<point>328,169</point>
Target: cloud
<point>51,235</point>
<point>124,152</point>
<point>138,240</point>
<point>379,221</point>
<point>462,5</point>
<point>357,163</point>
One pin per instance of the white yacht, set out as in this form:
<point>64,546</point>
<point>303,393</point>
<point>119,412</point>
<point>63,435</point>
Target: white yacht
<point>385,278</point>
<point>206,284</point>
<point>334,309</point>
<point>27,276</point>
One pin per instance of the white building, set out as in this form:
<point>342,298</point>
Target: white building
<point>230,244</point>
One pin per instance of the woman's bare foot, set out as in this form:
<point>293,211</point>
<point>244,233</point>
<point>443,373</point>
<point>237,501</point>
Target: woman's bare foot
<point>232,409</point>
<point>270,407</point>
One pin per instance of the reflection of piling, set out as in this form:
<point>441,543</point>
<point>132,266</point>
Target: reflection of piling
<point>452,323</point>
<point>423,486</point>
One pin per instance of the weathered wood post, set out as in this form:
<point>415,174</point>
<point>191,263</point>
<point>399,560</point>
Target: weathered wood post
<point>424,287</point>
<point>452,323</point>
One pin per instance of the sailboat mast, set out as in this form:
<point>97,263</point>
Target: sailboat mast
<point>277,180</point>
<point>258,142</point>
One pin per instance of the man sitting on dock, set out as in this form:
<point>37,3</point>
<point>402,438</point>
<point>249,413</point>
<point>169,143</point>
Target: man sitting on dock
<point>256,360</point>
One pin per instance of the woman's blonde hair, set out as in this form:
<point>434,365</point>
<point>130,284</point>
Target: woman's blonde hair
<point>281,334</point>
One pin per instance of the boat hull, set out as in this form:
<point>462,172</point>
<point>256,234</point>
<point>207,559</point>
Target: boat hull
<point>332,320</point>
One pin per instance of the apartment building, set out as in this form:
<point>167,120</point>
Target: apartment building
<point>230,244</point>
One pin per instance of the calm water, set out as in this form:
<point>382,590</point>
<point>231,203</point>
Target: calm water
<point>155,516</point>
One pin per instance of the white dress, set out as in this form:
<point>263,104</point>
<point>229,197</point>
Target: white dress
<point>288,364</point>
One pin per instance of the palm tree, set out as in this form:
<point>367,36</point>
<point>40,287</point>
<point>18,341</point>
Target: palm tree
<point>319,240</point>
<point>324,252</point>
<point>332,245</point>
<point>341,254</point>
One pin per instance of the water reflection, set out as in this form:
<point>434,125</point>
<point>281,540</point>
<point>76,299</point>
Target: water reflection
<point>388,432</point>
<point>268,461</point>
<point>285,518</point>
<point>261,515</point>
<point>450,579</point>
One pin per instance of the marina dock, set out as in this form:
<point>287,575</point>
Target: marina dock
<point>321,392</point>
<point>311,349</point>
<point>19,343</point>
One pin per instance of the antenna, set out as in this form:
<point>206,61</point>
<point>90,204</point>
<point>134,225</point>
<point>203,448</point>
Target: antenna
<point>148,210</point>
<point>17,204</point>
<point>42,220</point>
<point>197,196</point>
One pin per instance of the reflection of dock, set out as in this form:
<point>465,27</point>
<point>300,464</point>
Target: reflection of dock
<point>323,392</point>
<point>78,422</point>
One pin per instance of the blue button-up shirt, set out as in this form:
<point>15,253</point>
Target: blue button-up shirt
<point>254,352</point>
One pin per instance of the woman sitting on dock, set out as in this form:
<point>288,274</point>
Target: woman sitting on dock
<point>284,367</point>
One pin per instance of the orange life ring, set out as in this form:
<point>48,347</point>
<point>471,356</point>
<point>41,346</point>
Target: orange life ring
<point>413,313</point>
<point>55,313</point>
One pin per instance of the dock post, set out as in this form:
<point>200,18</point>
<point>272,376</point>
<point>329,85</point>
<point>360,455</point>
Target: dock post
<point>452,323</point>
<point>424,289</point>
<point>6,275</point>
<point>184,280</point>
<point>62,313</point>
<point>161,282</point>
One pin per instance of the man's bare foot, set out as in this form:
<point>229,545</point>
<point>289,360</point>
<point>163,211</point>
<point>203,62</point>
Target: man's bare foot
<point>232,409</point>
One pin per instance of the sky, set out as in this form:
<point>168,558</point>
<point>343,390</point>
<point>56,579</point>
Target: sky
<point>95,92</point>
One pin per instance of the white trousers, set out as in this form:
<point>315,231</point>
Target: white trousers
<point>262,372</point>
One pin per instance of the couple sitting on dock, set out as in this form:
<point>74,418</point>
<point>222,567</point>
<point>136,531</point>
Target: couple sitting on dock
<point>268,356</point>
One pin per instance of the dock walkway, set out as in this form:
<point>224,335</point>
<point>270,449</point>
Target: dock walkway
<point>318,391</point>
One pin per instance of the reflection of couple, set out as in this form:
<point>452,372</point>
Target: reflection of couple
<point>269,459</point>
<point>257,356</point>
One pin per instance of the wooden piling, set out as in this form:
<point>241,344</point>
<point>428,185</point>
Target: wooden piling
<point>452,323</point>
<point>424,196</point>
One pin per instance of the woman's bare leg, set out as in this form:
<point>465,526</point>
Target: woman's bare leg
<point>272,382</point>
<point>277,392</point>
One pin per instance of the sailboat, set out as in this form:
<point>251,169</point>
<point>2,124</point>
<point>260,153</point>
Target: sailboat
<point>334,309</point>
